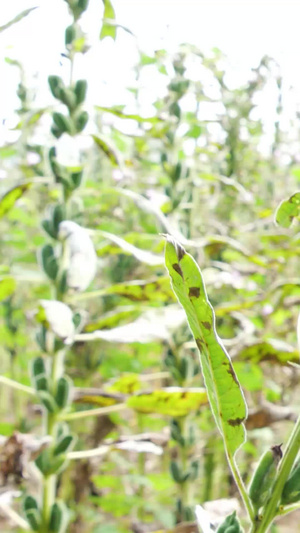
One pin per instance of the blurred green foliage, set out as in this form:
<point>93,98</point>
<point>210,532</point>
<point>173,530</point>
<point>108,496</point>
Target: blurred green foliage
<point>194,169</point>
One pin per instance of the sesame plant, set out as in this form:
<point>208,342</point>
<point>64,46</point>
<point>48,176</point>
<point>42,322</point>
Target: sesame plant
<point>127,441</point>
<point>275,486</point>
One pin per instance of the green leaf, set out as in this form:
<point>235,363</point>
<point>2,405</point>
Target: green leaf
<point>108,150</point>
<point>275,351</point>
<point>108,28</point>
<point>141,255</point>
<point>7,287</point>
<point>288,210</point>
<point>171,401</point>
<point>224,392</point>
<point>16,19</point>
<point>119,113</point>
<point>154,291</point>
<point>9,199</point>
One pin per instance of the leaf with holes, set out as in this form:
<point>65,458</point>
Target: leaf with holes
<point>224,392</point>
<point>288,210</point>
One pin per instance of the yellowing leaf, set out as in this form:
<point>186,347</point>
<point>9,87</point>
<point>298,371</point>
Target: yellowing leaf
<point>7,287</point>
<point>171,401</point>
<point>9,199</point>
<point>127,384</point>
<point>288,210</point>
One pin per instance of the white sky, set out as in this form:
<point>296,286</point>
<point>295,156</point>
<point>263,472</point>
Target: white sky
<point>244,29</point>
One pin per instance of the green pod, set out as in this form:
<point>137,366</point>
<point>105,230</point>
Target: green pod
<point>48,464</point>
<point>62,123</point>
<point>41,383</point>
<point>64,445</point>
<point>47,226</point>
<point>48,401</point>
<point>67,97</point>
<point>291,489</point>
<point>63,392</point>
<point>80,91</point>
<point>81,121</point>
<point>70,34</point>
<point>58,215</point>
<point>176,474</point>
<point>33,519</point>
<point>76,178</point>
<point>56,85</point>
<point>38,366</point>
<point>83,5</point>
<point>56,131</point>
<point>264,477</point>
<point>41,338</point>
<point>30,503</point>
<point>49,263</point>
<point>31,510</point>
<point>58,518</point>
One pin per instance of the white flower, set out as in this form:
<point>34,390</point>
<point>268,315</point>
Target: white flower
<point>60,319</point>
<point>81,255</point>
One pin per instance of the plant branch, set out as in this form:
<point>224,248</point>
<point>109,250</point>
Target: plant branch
<point>93,412</point>
<point>16,385</point>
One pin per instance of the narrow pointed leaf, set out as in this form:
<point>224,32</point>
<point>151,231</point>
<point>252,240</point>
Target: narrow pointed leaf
<point>224,392</point>
<point>8,200</point>
<point>16,19</point>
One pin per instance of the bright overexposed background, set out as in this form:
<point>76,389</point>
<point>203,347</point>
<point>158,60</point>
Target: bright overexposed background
<point>245,30</point>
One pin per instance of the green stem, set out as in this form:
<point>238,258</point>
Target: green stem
<point>15,385</point>
<point>49,482</point>
<point>240,485</point>
<point>271,508</point>
<point>93,412</point>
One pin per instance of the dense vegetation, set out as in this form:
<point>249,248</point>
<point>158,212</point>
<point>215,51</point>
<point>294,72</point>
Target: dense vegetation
<point>95,350</point>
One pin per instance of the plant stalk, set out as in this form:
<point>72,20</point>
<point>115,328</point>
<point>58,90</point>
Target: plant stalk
<point>271,508</point>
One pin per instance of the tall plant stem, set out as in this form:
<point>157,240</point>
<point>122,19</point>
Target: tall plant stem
<point>271,508</point>
<point>49,482</point>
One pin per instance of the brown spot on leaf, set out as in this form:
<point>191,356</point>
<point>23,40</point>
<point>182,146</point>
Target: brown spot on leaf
<point>235,421</point>
<point>180,251</point>
<point>200,343</point>
<point>207,325</point>
<point>194,291</point>
<point>177,268</point>
<point>233,374</point>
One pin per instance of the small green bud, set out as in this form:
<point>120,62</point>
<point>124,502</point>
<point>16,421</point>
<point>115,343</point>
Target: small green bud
<point>230,525</point>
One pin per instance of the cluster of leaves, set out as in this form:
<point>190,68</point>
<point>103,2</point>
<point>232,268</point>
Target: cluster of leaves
<point>193,169</point>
